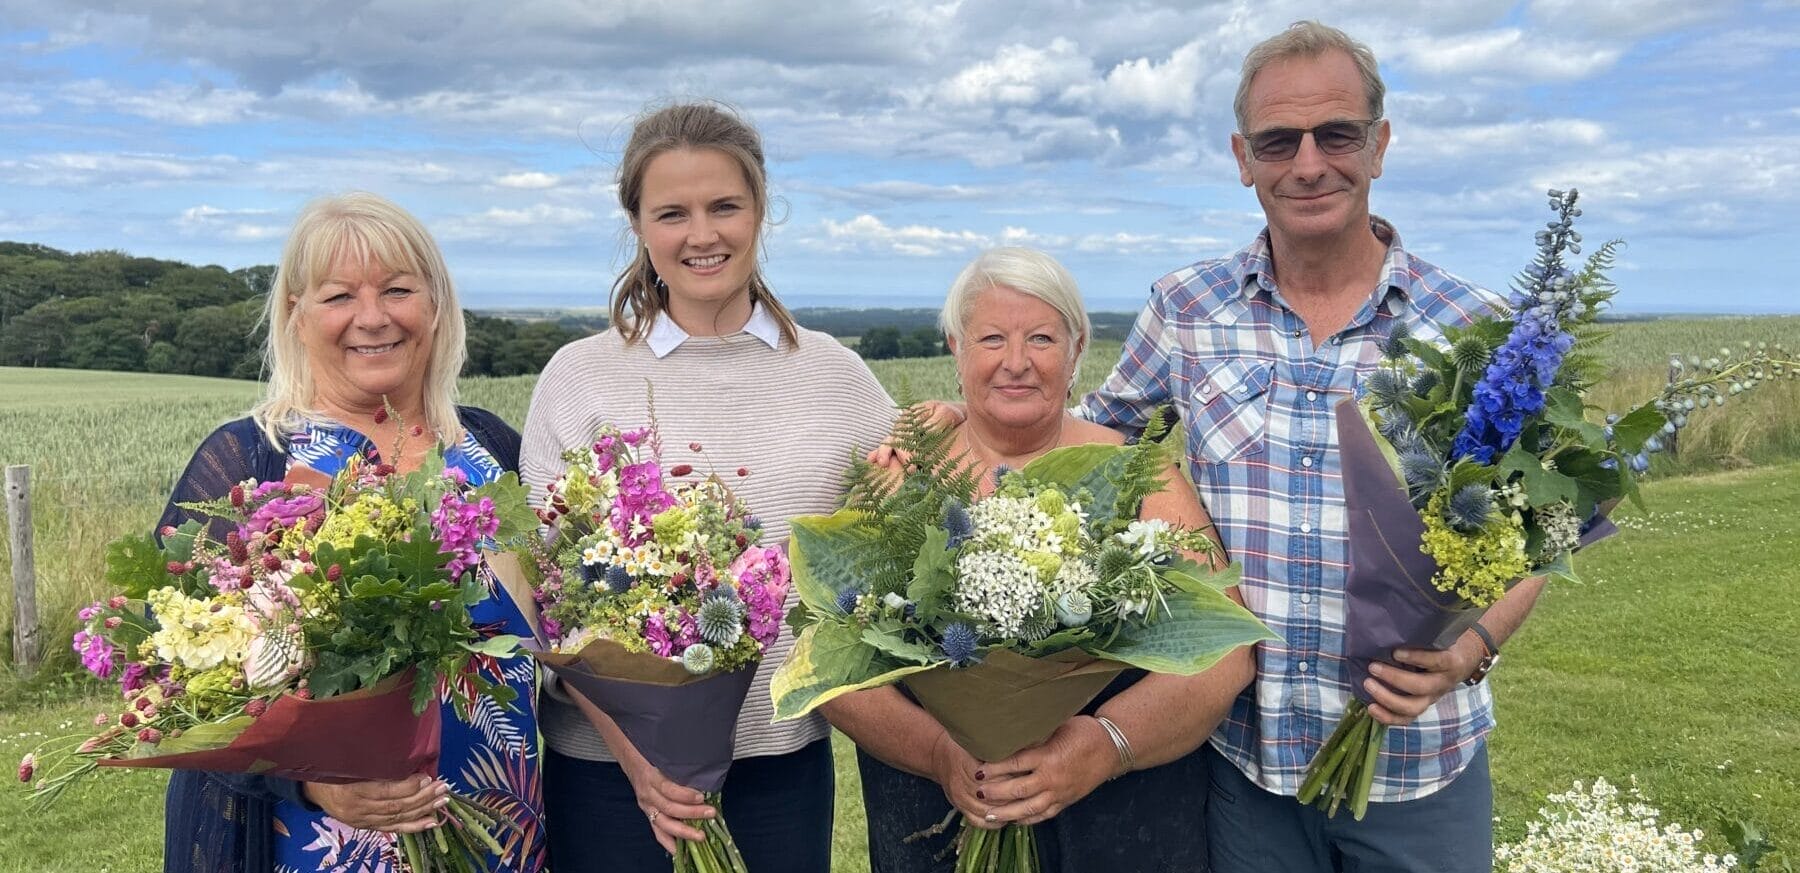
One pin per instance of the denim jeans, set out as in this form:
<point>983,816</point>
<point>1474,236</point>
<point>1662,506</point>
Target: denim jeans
<point>1254,831</point>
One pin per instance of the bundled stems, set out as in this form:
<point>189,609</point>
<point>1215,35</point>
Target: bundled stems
<point>1011,849</point>
<point>461,844</point>
<point>718,853</point>
<point>1343,770</point>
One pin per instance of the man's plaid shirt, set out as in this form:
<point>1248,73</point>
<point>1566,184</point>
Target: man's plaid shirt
<point>1256,394</point>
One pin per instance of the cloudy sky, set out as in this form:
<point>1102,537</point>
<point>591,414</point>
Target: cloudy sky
<point>903,136</point>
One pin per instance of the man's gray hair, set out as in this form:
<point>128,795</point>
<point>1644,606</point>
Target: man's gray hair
<point>1308,39</point>
<point>1027,271</point>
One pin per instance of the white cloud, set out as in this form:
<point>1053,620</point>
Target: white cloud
<point>1510,52</point>
<point>867,233</point>
<point>538,224</point>
<point>103,169</point>
<point>1614,18</point>
<point>1156,89</point>
<point>18,104</point>
<point>527,180</point>
<point>187,106</point>
<point>1018,75</point>
<point>1507,140</point>
<point>228,224</point>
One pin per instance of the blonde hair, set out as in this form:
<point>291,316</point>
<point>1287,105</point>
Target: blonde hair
<point>639,295</point>
<point>1029,272</point>
<point>365,228</point>
<point>1308,39</point>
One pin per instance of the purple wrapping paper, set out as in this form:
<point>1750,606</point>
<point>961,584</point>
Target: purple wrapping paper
<point>686,731</point>
<point>1389,601</point>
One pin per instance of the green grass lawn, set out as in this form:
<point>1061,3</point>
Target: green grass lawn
<point>1669,662</point>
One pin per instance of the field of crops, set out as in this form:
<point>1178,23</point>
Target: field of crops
<point>105,448</point>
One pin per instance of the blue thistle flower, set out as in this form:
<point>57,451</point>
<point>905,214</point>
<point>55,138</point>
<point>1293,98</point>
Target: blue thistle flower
<point>1386,388</point>
<point>1422,470</point>
<point>957,523</point>
<point>617,579</point>
<point>846,600</point>
<point>1394,346</point>
<point>959,642</point>
<point>1395,426</point>
<point>1000,472</point>
<point>592,573</point>
<point>721,621</point>
<point>721,592</point>
<point>752,522</point>
<point>1469,508</point>
<point>1424,381</point>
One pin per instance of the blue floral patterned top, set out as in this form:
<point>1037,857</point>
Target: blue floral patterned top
<point>493,756</point>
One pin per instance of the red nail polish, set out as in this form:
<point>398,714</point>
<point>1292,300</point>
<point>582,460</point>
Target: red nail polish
<point>980,775</point>
<point>980,795</point>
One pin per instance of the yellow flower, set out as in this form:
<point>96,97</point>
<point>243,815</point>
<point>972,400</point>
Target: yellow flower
<point>1477,567</point>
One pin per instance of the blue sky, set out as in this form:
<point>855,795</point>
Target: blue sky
<point>903,137</point>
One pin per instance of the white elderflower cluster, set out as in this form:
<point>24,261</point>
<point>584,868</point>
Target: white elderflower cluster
<point>998,588</point>
<point>1594,831</point>
<point>1014,523</point>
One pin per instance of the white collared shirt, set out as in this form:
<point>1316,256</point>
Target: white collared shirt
<point>666,336</point>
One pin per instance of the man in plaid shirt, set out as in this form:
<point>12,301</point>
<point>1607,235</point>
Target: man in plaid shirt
<point>1254,350</point>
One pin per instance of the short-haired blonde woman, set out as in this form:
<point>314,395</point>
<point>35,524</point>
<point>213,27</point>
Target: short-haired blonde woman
<point>694,320</point>
<point>1120,798</point>
<point>363,317</point>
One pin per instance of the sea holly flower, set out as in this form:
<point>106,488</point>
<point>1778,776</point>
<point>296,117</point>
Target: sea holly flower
<point>959,643</point>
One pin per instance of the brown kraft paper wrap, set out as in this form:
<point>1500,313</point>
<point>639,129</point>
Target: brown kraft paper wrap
<point>1389,601</point>
<point>1009,701</point>
<point>366,735</point>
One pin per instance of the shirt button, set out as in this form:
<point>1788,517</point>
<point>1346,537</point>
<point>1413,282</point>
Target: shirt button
<point>1305,527</point>
<point>1306,598</point>
<point>1301,667</point>
<point>1243,389</point>
<point>1306,462</point>
<point>1296,333</point>
<point>1312,395</point>
<point>1336,341</point>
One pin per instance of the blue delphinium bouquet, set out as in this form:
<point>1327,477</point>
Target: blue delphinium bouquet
<point>1503,461</point>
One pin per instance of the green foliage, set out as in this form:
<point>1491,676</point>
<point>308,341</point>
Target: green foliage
<point>905,508</point>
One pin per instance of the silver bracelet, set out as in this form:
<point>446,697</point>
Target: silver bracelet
<point>1120,744</point>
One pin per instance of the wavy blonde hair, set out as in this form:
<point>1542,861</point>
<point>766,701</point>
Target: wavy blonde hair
<point>363,227</point>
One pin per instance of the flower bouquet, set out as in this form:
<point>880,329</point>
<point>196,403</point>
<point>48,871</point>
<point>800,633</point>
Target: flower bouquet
<point>1599,828</point>
<point>1472,465</point>
<point>1002,616</point>
<point>657,604</point>
<point>324,611</point>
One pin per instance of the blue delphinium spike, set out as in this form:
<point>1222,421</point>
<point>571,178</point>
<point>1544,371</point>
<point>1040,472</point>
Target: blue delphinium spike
<point>617,579</point>
<point>959,642</point>
<point>1470,507</point>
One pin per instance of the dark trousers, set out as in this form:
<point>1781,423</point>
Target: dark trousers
<point>1254,831</point>
<point>1149,821</point>
<point>779,809</point>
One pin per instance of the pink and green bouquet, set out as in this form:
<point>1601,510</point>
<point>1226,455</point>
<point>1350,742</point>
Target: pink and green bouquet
<point>657,604</point>
<point>306,611</point>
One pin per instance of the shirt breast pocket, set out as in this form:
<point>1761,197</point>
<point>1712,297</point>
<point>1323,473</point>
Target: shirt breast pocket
<point>1230,404</point>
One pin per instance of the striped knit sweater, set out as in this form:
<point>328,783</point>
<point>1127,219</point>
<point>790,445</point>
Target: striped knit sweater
<point>793,416</point>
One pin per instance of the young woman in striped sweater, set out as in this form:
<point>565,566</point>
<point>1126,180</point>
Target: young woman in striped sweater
<point>695,324</point>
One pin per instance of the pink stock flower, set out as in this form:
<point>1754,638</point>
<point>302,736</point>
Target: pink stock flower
<point>461,526</point>
<point>656,633</point>
<point>132,678</point>
<point>690,630</point>
<point>767,565</point>
<point>285,512</point>
<point>96,653</point>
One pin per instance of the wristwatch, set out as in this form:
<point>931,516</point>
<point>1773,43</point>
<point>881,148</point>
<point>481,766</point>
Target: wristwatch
<point>1490,655</point>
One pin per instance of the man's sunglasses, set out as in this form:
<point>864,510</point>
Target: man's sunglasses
<point>1332,138</point>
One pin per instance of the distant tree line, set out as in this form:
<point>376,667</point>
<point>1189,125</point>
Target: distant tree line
<point>108,310</point>
<point>882,343</point>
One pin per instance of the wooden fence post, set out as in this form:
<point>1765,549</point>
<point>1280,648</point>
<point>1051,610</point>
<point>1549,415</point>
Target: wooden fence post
<point>24,570</point>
